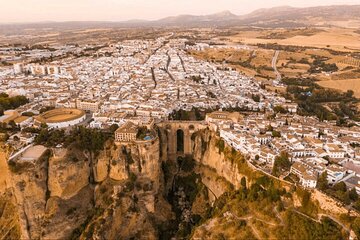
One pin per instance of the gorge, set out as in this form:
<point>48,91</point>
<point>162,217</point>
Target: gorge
<point>183,183</point>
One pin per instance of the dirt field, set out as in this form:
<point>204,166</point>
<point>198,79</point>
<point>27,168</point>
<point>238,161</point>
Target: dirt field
<point>343,85</point>
<point>329,45</point>
<point>259,60</point>
<point>335,38</point>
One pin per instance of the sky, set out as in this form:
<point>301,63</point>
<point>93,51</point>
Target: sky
<point>120,10</point>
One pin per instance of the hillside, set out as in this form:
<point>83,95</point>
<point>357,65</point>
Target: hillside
<point>138,191</point>
<point>337,15</point>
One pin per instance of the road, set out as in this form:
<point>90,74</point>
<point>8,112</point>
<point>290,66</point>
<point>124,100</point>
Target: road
<point>182,62</point>
<point>273,64</point>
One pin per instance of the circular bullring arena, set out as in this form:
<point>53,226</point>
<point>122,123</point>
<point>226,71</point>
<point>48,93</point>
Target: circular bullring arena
<point>61,117</point>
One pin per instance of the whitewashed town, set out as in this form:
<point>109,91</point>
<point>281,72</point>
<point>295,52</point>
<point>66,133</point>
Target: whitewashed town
<point>139,83</point>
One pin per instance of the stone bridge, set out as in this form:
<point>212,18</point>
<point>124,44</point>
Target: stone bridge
<point>179,135</point>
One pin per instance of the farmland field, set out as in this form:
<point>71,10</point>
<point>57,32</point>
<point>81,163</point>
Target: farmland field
<point>343,85</point>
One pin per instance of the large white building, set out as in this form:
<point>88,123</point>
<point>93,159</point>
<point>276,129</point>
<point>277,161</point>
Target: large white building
<point>126,133</point>
<point>87,105</point>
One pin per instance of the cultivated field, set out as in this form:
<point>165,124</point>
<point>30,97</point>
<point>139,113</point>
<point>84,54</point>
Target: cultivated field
<point>343,85</point>
<point>254,62</point>
<point>338,39</point>
<point>300,52</point>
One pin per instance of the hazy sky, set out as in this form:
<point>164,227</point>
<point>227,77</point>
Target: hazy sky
<point>117,10</point>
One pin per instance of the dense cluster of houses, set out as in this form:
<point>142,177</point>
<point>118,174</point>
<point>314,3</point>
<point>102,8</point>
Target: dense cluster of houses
<point>150,78</point>
<point>314,147</point>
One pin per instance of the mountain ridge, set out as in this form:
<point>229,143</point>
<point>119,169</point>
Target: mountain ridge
<point>264,17</point>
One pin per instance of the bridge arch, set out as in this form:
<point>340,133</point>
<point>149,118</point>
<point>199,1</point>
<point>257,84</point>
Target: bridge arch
<point>180,141</point>
<point>179,136</point>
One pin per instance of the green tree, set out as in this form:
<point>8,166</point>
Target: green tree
<point>353,194</point>
<point>276,134</point>
<point>12,124</point>
<point>280,109</point>
<point>340,186</point>
<point>269,128</point>
<point>114,127</point>
<point>322,182</point>
<point>356,227</point>
<point>220,144</point>
<point>281,163</point>
<point>256,98</point>
<point>243,182</point>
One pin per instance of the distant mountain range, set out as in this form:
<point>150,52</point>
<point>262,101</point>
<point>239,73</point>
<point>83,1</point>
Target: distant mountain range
<point>284,16</point>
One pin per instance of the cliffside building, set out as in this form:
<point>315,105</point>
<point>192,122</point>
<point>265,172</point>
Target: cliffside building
<point>126,133</point>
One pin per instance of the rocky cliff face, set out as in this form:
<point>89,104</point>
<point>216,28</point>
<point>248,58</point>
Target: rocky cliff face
<point>135,190</point>
<point>68,173</point>
<point>57,199</point>
<point>129,202</point>
<point>206,152</point>
<point>10,227</point>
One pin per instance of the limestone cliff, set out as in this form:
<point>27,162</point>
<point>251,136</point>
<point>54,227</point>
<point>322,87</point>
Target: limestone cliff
<point>10,227</point>
<point>206,152</point>
<point>138,190</point>
<point>68,173</point>
<point>56,198</point>
<point>129,195</point>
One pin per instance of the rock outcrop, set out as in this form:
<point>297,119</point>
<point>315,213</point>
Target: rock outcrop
<point>68,173</point>
<point>207,153</point>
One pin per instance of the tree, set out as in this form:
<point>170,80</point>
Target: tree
<point>353,194</point>
<point>269,128</point>
<point>114,127</point>
<point>280,109</point>
<point>7,102</point>
<point>142,132</point>
<point>356,227</point>
<point>28,114</point>
<point>322,182</point>
<point>45,109</point>
<point>276,134</point>
<point>305,199</point>
<point>243,182</point>
<point>220,144</point>
<point>280,207</point>
<point>12,124</point>
<point>281,163</point>
<point>256,98</point>
<point>349,93</point>
<point>357,205</point>
<point>286,122</point>
<point>340,186</point>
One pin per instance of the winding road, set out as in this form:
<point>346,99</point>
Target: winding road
<point>273,64</point>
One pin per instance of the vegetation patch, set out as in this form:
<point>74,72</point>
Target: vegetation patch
<point>7,102</point>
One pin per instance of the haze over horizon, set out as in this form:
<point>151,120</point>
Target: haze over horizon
<point>22,11</point>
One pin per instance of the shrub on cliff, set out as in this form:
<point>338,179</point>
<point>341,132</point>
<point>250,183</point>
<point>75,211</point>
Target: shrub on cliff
<point>220,144</point>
